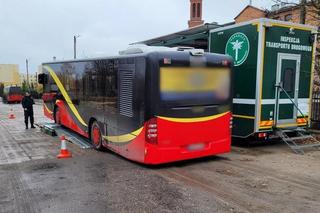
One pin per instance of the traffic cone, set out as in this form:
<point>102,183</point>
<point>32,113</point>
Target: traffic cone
<point>64,152</point>
<point>11,115</point>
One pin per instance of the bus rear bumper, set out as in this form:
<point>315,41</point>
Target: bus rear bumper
<point>159,155</point>
<point>14,98</point>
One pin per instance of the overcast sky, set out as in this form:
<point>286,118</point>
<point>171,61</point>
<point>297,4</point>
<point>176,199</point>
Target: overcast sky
<point>41,29</point>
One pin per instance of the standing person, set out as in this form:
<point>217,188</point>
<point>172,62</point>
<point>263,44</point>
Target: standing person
<point>27,104</point>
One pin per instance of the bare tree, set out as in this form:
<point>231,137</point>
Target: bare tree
<point>313,17</point>
<point>303,11</point>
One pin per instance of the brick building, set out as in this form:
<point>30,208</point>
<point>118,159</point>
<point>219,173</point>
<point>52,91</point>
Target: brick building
<point>195,13</point>
<point>249,13</point>
<point>291,13</point>
<point>280,12</point>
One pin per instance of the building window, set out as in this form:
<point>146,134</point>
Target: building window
<point>193,10</point>
<point>198,10</point>
<point>288,17</point>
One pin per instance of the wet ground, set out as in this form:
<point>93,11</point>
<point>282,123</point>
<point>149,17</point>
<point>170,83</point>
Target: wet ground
<point>260,178</point>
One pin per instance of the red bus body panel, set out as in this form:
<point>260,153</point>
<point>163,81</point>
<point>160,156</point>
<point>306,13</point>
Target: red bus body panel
<point>175,138</point>
<point>48,97</point>
<point>67,120</point>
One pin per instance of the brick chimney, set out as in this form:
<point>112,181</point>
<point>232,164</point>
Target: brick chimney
<point>195,13</point>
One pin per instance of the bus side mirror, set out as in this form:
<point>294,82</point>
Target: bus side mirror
<point>42,78</point>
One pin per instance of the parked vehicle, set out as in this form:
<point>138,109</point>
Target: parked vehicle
<point>12,94</point>
<point>151,107</point>
<point>273,67</point>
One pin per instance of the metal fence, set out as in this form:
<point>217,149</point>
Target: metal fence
<point>315,110</point>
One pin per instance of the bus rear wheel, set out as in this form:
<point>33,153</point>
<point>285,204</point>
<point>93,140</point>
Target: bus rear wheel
<point>96,136</point>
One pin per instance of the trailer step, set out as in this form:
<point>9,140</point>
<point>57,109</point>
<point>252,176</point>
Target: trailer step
<point>301,140</point>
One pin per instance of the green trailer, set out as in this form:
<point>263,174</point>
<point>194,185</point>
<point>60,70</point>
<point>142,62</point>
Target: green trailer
<point>273,70</point>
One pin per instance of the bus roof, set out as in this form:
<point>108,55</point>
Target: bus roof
<point>135,51</point>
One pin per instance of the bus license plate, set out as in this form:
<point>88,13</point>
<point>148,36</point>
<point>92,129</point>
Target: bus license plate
<point>195,147</point>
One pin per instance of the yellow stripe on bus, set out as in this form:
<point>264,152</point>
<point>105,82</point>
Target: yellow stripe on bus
<point>190,120</point>
<point>123,138</point>
<point>65,95</point>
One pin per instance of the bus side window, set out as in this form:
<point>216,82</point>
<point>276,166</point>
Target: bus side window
<point>50,86</point>
<point>112,84</point>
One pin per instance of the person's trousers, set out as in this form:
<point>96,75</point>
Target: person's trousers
<point>28,114</point>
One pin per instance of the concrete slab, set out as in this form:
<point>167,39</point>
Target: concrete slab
<point>18,144</point>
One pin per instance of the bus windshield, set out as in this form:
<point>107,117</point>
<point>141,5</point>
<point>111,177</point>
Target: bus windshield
<point>15,90</point>
<point>184,86</point>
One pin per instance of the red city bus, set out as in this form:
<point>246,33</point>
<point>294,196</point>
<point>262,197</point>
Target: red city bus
<point>153,107</point>
<point>12,94</point>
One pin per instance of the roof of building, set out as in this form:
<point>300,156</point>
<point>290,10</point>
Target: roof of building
<point>289,7</point>
<point>284,9</point>
<point>249,6</point>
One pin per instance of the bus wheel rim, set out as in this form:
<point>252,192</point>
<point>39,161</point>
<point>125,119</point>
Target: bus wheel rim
<point>96,136</point>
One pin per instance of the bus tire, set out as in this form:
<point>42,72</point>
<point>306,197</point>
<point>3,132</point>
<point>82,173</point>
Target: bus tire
<point>96,136</point>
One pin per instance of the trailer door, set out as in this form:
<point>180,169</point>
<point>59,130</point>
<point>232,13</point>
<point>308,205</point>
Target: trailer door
<point>287,88</point>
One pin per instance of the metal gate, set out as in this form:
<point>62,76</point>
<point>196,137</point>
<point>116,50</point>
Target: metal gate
<point>315,110</point>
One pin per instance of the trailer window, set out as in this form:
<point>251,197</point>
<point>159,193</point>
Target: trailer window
<point>289,79</point>
<point>194,86</point>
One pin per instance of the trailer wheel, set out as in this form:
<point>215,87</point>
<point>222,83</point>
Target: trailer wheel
<point>96,136</point>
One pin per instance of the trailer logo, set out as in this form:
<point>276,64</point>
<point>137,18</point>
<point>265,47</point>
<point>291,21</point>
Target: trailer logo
<point>238,48</point>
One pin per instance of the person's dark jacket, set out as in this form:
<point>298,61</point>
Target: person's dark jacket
<point>27,103</point>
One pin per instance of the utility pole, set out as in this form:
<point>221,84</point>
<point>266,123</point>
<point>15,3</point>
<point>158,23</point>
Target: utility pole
<point>303,11</point>
<point>250,2</point>
<point>75,46</point>
<point>27,67</point>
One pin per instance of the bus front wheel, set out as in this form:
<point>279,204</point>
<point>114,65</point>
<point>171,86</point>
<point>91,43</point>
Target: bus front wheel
<point>96,136</point>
